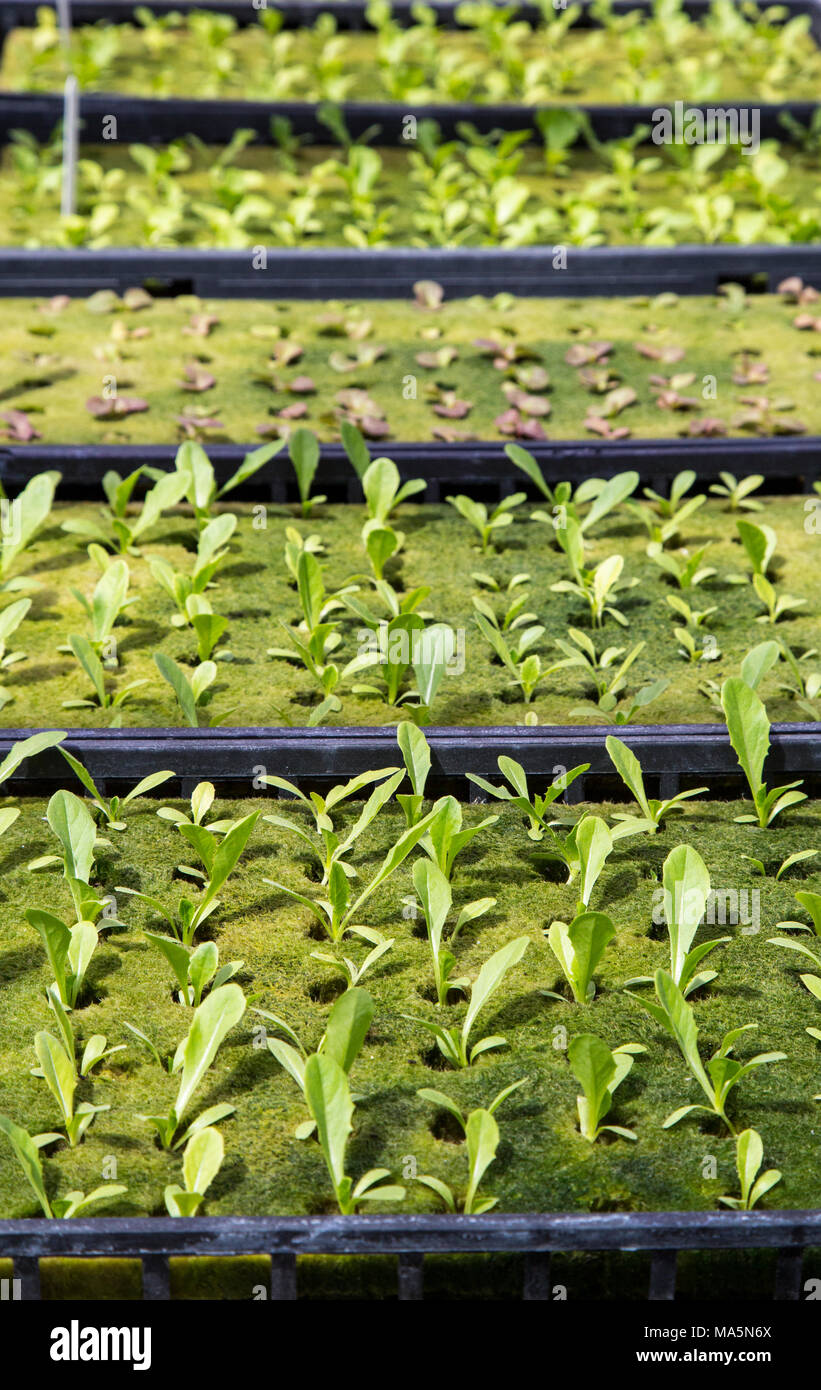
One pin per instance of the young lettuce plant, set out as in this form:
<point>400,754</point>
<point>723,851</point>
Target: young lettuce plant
<point>58,1069</point>
<point>194,970</point>
<point>597,587</point>
<point>73,824</point>
<point>686,892</point>
<point>748,726</point>
<point>104,699</point>
<point>453,1043</point>
<point>212,552</point>
<point>434,894</point>
<point>487,525</point>
<point>191,692</point>
<point>722,1072</point>
<point>737,492</point>
<point>383,492</point>
<point>26,1149</point>
<point>343,1039</point>
<point>332,848</point>
<point>219,859</point>
<point>481,1132</point>
<point>332,1109</point>
<point>107,603</point>
<point>110,808</point>
<point>336,913</point>
<point>201,1162</point>
<point>599,1072</point>
<point>415,751</point>
<point>404,642</point>
<point>96,1049</point>
<point>749,1155</point>
<point>603,497</point>
<point>124,531</point>
<point>303,450</point>
<point>524,666</point>
<point>608,682</point>
<point>10,619</point>
<point>578,948</point>
<point>213,1020</point>
<point>446,839</point>
<point>533,806</point>
<point>315,639</point>
<point>664,516</point>
<point>18,753</point>
<point>194,468</point>
<point>628,767</point>
<point>30,511</point>
<point>69,951</point>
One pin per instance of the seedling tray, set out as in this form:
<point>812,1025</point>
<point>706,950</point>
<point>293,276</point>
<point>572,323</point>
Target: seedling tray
<point>345,273</point>
<point>157,121</point>
<point>671,756</point>
<point>661,1234</point>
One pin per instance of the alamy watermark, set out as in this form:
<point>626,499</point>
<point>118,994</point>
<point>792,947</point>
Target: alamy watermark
<point>712,125</point>
<point>725,907</point>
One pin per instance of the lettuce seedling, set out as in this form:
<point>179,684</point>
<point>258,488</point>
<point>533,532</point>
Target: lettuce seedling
<point>486,524</point>
<point>737,491</point>
<point>125,531</point>
<point>532,806</point>
<point>73,824</point>
<point>26,1150</point>
<point>600,1072</point>
<point>332,1110</point>
<point>336,913</point>
<point>352,973</point>
<point>603,497</point>
<point>31,510</point>
<point>608,682</point>
<point>58,1069</point>
<point>343,1039</point>
<point>194,970</point>
<point>201,1162</point>
<point>453,1043</point>
<point>776,604</point>
<point>96,1049</point>
<point>515,615</point>
<point>191,691</point>
<point>213,1020</point>
<point>481,1133</point>
<point>415,751</point>
<point>303,450</point>
<point>405,643</point>
<point>110,808</point>
<point>686,892</point>
<point>315,639</point>
<point>105,699</point>
<point>434,893</point>
<point>665,516</point>
<point>446,839</point>
<point>201,800</point>
<point>212,552</point>
<point>108,602</point>
<point>759,543</point>
<point>722,1072</point>
<point>749,1155</point>
<point>687,573</point>
<point>524,666</point>
<point>332,849</point>
<point>383,493</point>
<point>69,949</point>
<point>797,858</point>
<point>628,767</point>
<point>219,859</point>
<point>194,467</point>
<point>807,687</point>
<point>597,587</point>
<point>748,726</point>
<point>578,948</point>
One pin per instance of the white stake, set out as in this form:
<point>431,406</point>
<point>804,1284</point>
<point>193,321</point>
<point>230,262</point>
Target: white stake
<point>64,20</point>
<point>71,104</point>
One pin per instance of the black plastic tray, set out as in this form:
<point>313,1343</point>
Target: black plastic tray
<point>789,465</point>
<point>345,273</point>
<point>232,757</point>
<point>156,121</point>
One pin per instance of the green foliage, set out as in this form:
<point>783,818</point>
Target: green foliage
<point>749,1152</point>
<point>599,1072</point>
<point>481,1132</point>
<point>453,1043</point>
<point>749,728</point>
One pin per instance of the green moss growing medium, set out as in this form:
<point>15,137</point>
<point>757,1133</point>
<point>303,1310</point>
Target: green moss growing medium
<point>723,365</point>
<point>543,1163</point>
<point>255,592</point>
